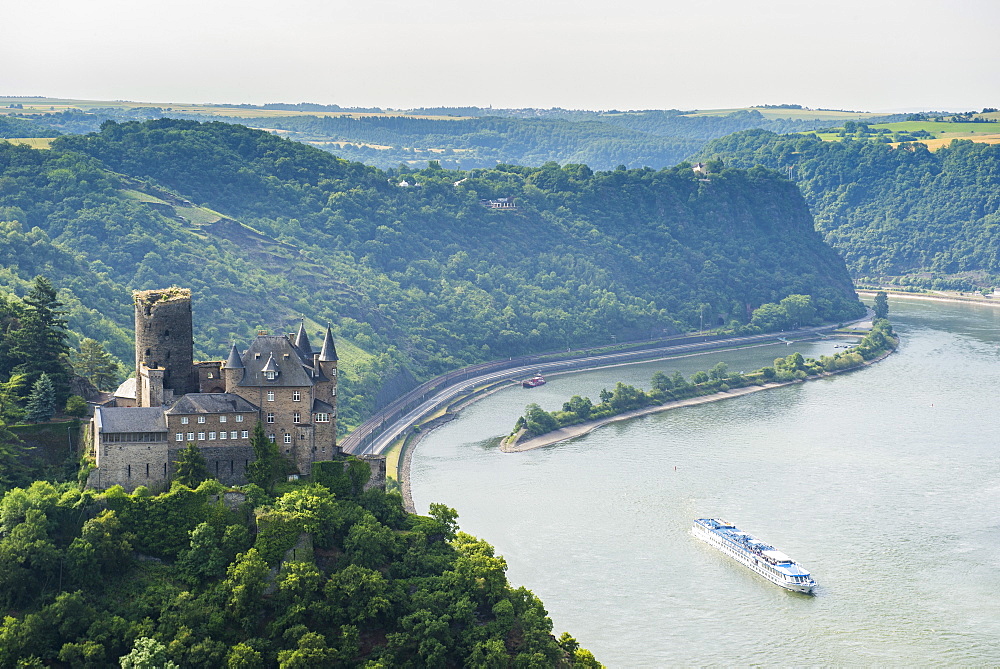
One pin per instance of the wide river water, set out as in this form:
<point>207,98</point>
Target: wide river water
<point>884,483</point>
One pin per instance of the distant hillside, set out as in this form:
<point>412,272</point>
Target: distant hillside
<point>410,267</point>
<point>892,212</point>
<point>463,138</point>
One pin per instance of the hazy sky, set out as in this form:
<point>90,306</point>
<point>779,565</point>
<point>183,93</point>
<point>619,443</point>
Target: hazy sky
<point>865,55</point>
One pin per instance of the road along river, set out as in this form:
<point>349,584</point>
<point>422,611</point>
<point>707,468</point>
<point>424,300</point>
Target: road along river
<point>885,483</point>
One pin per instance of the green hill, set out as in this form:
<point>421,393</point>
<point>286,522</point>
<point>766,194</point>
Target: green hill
<point>906,213</point>
<point>411,267</point>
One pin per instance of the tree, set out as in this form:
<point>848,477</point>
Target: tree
<point>42,401</point>
<point>800,310</point>
<point>10,392</point>
<point>39,345</point>
<point>719,372</point>
<point>881,305</point>
<point>538,420</point>
<point>96,365</point>
<point>12,468</point>
<point>147,653</point>
<point>662,382</point>
<point>263,469</point>
<point>76,406</point>
<point>581,406</point>
<point>770,317</point>
<point>191,468</point>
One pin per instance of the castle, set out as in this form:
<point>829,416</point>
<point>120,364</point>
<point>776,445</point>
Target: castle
<point>172,401</point>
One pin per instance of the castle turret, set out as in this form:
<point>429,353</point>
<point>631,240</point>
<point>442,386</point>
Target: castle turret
<point>163,340</point>
<point>301,341</point>
<point>233,369</point>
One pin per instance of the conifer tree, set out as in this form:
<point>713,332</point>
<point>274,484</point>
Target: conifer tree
<point>12,466</point>
<point>265,465</point>
<point>39,345</point>
<point>42,401</point>
<point>96,365</point>
<point>191,467</point>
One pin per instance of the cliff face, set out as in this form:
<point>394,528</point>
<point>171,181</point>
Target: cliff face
<point>410,267</point>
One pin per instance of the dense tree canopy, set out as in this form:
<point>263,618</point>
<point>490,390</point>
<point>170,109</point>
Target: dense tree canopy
<point>422,277</point>
<point>892,211</point>
<point>359,588</point>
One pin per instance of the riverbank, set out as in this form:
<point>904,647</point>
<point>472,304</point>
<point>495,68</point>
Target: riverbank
<point>932,297</point>
<point>580,429</point>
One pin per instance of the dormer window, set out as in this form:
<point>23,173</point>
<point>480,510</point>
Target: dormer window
<point>270,376</point>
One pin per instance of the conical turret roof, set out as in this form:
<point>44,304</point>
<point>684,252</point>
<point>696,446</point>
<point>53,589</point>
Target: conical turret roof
<point>302,339</point>
<point>233,361</point>
<point>329,352</point>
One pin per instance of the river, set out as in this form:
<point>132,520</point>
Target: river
<point>884,483</point>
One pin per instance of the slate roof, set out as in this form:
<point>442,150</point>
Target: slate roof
<point>291,371</point>
<point>131,419</point>
<point>233,361</point>
<point>329,352</point>
<point>319,406</point>
<point>126,389</point>
<point>302,341</point>
<point>210,403</point>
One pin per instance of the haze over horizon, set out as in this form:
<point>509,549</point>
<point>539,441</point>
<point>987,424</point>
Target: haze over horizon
<point>865,56</point>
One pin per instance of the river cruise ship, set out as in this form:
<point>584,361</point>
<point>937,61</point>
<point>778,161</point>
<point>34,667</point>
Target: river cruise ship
<point>754,554</point>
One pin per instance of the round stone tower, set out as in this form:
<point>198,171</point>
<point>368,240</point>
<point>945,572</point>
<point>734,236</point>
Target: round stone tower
<point>163,340</point>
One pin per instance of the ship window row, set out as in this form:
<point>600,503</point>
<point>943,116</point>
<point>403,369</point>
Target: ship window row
<point>132,437</point>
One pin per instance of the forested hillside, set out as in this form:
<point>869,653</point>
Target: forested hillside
<point>410,267</point>
<point>602,140</point>
<point>928,218</point>
<point>319,575</point>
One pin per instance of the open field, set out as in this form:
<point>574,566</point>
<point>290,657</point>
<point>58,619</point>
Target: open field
<point>935,144</point>
<point>772,112</point>
<point>33,142</point>
<point>49,105</point>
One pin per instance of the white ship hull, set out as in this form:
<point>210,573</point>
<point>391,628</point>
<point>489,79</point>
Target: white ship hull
<point>772,565</point>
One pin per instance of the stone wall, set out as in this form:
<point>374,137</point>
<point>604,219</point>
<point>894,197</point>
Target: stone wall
<point>228,464</point>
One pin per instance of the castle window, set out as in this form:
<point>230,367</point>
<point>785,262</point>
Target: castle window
<point>223,419</point>
<point>296,396</point>
<point>184,420</point>
<point>333,373</point>
<point>239,418</point>
<point>270,438</point>
<point>223,434</point>
<point>179,436</point>
<point>210,375</point>
<point>129,471</point>
<point>190,436</point>
<point>147,470</point>
<point>288,438</point>
<point>322,418</point>
<point>211,436</point>
<point>270,418</point>
<point>333,391</point>
<point>201,419</point>
<point>296,417</point>
<point>201,436</point>
<point>270,395</point>
<point>245,434</point>
<point>232,435</point>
